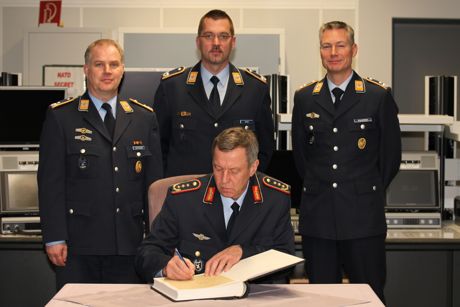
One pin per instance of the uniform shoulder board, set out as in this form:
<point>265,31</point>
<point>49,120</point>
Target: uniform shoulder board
<point>62,102</point>
<point>172,73</point>
<point>141,104</point>
<point>255,75</point>
<point>376,82</point>
<point>307,84</point>
<point>276,184</point>
<point>185,186</point>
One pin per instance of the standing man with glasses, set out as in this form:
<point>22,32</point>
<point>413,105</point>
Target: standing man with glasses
<point>347,148</point>
<point>99,153</point>
<point>195,104</point>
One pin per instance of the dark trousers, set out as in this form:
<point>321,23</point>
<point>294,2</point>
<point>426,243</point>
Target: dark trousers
<point>97,269</point>
<point>362,260</point>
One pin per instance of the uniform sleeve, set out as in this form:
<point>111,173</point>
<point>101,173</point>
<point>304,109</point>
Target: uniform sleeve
<point>51,180</point>
<point>298,136</point>
<point>161,107</point>
<point>157,248</point>
<point>265,131</point>
<point>155,169</point>
<point>390,141</point>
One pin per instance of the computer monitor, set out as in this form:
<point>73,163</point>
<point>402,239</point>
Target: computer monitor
<point>414,190</point>
<point>23,111</point>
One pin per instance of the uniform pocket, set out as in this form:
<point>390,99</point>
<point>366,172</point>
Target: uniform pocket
<point>136,161</point>
<point>82,161</point>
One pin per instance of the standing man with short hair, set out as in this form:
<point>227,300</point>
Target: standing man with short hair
<point>347,148</point>
<point>195,104</point>
<point>99,153</point>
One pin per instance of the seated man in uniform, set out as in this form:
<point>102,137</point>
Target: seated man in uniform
<point>216,220</point>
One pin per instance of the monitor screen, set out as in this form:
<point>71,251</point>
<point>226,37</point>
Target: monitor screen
<point>23,110</point>
<point>413,189</point>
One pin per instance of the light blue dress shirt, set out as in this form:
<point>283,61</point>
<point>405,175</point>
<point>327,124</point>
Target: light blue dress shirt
<point>228,202</point>
<point>98,104</point>
<point>342,86</point>
<point>223,76</point>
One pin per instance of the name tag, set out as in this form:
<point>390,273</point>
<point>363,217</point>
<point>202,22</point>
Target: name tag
<point>138,148</point>
<point>362,120</point>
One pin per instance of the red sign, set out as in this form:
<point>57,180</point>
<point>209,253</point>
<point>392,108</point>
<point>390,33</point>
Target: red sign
<point>50,11</point>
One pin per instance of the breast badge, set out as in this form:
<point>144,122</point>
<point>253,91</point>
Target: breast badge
<point>138,167</point>
<point>198,262</point>
<point>362,143</point>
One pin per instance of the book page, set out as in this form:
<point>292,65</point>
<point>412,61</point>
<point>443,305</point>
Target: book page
<point>198,281</point>
<point>261,264</point>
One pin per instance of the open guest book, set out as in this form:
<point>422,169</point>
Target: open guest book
<point>228,284</point>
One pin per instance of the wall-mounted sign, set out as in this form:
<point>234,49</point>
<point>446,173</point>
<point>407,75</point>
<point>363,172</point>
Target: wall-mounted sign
<point>70,76</point>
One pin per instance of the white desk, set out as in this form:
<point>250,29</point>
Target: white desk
<point>282,295</point>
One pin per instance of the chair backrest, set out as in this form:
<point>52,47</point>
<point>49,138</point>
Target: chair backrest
<point>159,189</point>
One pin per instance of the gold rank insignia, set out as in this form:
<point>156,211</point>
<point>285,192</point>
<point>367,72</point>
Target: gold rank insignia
<point>173,73</point>
<point>200,237</point>
<point>141,104</point>
<point>138,167</point>
<point>61,103</point>
<point>362,143</point>
<point>359,86</point>
<point>312,115</point>
<point>237,78</point>
<point>191,78</point>
<point>276,185</point>
<point>83,138</point>
<point>185,186</point>
<point>83,105</point>
<point>185,114</point>
<point>83,130</point>
<point>306,84</point>
<point>376,82</point>
<point>317,88</point>
<point>126,107</point>
<point>255,75</point>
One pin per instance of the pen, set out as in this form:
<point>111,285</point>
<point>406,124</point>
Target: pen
<point>176,252</point>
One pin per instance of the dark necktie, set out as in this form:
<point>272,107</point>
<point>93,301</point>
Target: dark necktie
<point>109,120</point>
<point>214,98</point>
<point>337,92</point>
<point>231,221</point>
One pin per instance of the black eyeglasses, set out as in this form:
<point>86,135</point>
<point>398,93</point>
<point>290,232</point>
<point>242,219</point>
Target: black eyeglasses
<point>223,37</point>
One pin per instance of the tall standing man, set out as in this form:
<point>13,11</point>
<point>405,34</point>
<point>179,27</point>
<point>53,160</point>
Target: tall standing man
<point>347,147</point>
<point>98,155</point>
<point>194,105</point>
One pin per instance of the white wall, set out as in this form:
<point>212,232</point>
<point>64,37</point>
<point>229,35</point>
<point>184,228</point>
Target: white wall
<point>375,22</point>
<point>300,20</point>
